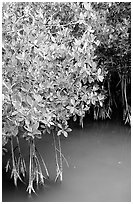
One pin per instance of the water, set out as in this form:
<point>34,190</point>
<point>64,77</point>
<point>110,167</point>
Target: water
<point>99,158</point>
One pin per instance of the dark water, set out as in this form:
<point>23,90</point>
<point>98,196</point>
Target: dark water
<point>99,158</point>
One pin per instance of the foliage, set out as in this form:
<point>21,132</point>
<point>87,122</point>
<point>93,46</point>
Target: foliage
<point>53,70</point>
<point>49,71</point>
<point>114,51</point>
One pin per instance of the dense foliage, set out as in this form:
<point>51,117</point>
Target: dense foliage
<point>114,52</point>
<point>54,69</point>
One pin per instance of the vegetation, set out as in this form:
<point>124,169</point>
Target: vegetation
<point>114,52</point>
<point>57,64</point>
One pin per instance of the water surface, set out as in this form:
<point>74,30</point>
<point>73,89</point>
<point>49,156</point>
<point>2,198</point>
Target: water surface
<point>99,157</point>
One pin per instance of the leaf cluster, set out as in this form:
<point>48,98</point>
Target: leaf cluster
<point>49,67</point>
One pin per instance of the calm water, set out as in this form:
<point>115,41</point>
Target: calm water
<point>99,167</point>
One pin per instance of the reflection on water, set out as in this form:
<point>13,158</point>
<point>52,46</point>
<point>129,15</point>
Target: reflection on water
<point>99,167</point>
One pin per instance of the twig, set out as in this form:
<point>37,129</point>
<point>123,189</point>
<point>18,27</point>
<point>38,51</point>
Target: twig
<point>30,186</point>
<point>18,145</point>
<point>14,169</point>
<point>40,170</point>
<point>61,166</point>
<point>56,157</point>
<point>43,162</point>
<point>63,158</point>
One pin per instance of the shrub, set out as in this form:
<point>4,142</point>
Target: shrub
<point>51,72</point>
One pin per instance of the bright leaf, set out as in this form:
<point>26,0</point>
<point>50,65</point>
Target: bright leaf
<point>29,100</point>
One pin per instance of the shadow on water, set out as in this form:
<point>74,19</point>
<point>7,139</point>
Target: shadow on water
<point>99,158</point>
